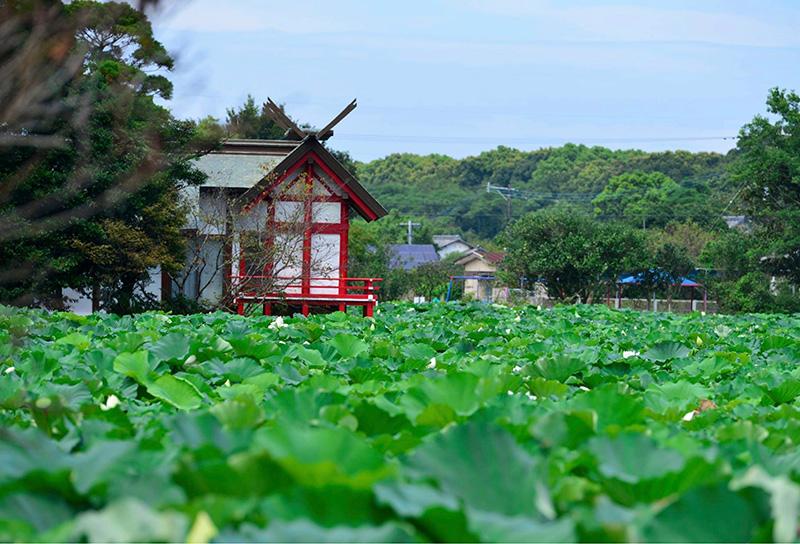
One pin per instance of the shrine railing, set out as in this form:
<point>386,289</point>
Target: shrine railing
<point>282,287</point>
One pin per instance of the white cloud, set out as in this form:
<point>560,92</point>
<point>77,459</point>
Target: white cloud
<point>631,22</point>
<point>252,15</point>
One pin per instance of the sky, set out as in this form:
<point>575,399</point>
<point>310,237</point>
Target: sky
<point>458,77</point>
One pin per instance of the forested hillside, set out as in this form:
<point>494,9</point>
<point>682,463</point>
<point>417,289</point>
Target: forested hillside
<point>635,186</point>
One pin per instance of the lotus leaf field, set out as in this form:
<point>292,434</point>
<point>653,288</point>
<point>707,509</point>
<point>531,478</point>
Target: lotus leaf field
<point>428,423</point>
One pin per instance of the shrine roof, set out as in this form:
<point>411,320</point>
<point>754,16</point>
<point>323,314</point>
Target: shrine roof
<point>240,164</point>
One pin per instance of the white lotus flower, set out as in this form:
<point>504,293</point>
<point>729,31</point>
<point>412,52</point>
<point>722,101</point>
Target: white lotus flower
<point>111,402</point>
<point>516,368</point>
<point>629,354</point>
<point>277,324</point>
<point>584,388</point>
<point>688,416</point>
<point>9,370</point>
<point>432,363</point>
<point>190,360</point>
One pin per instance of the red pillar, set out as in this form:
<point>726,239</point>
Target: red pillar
<point>369,308</point>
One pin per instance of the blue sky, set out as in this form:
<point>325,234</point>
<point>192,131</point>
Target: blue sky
<point>462,76</point>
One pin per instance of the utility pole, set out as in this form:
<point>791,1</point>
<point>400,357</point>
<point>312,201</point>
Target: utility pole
<point>410,225</point>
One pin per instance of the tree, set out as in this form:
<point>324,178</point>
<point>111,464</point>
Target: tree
<point>368,250</point>
<point>453,191</point>
<point>575,256</point>
<point>636,197</point>
<point>98,206</point>
<point>690,236</point>
<point>768,167</point>
<point>250,121</point>
<point>669,263</point>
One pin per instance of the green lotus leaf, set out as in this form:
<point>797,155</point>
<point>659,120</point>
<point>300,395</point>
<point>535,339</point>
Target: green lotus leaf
<point>666,351</point>
<point>503,478</point>
<point>171,347</point>
<point>178,392</point>
<point>706,514</point>
<point>324,456</point>
<point>348,345</point>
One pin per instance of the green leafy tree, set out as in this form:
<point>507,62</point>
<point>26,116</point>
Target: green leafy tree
<point>732,254</point>
<point>453,191</point>
<point>368,250</point>
<point>576,256</point>
<point>634,197</point>
<point>100,206</point>
<point>689,235</point>
<point>768,166</point>
<point>252,121</point>
<point>669,263</point>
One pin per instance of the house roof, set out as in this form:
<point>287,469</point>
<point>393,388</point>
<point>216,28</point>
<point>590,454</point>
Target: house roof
<point>441,240</point>
<point>409,256</point>
<point>366,205</point>
<point>234,171</point>
<point>490,257</point>
<point>253,164</point>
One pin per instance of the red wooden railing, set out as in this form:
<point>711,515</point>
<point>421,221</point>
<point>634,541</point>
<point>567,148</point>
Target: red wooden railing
<point>306,291</point>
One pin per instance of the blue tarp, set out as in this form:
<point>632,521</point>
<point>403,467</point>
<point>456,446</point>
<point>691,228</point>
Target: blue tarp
<point>637,279</point>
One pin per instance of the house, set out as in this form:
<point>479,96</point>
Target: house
<point>410,256</point>
<point>270,226</point>
<point>480,267</point>
<point>450,244</point>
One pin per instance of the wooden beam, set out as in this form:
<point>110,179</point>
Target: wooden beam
<point>283,120</point>
<point>328,130</point>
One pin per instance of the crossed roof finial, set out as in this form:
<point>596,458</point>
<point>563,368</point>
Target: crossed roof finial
<point>296,133</point>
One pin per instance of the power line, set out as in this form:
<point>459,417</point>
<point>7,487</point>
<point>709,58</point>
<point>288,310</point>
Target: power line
<point>509,193</point>
<point>427,138</point>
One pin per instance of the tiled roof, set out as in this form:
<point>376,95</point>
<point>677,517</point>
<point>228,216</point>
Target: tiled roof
<point>494,257</point>
<point>409,256</point>
<point>235,170</point>
<point>491,257</point>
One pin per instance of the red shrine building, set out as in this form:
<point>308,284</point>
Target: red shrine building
<point>268,229</point>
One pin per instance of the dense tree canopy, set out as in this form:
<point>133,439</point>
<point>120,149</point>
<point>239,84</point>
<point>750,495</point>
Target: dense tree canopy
<point>572,254</point>
<point>251,121</point>
<point>452,193</point>
<point>99,208</point>
<point>768,168</point>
